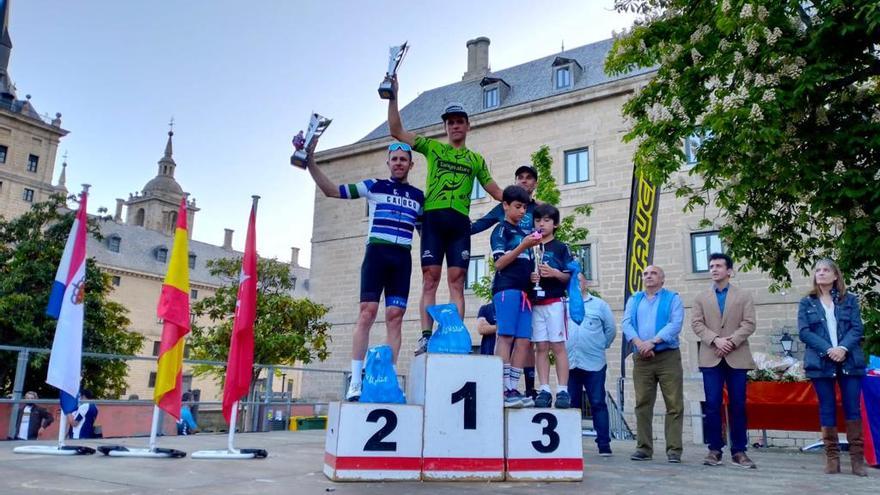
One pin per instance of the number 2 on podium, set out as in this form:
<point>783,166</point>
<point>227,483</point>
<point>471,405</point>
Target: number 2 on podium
<point>468,393</point>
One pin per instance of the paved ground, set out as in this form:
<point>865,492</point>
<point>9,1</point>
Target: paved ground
<point>295,462</point>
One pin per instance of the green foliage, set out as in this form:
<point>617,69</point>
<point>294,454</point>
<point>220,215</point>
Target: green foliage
<point>787,94</point>
<point>286,331</point>
<point>546,191</point>
<point>30,250</point>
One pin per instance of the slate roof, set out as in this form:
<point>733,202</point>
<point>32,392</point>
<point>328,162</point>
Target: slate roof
<point>528,82</point>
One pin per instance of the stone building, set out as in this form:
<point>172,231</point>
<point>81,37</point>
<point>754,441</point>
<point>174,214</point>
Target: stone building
<point>567,102</point>
<point>136,247</point>
<point>28,141</point>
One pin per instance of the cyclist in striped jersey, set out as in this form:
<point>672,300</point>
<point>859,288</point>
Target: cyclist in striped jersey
<point>395,212</point>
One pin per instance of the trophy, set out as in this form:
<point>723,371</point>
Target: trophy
<point>538,251</point>
<point>395,56</point>
<point>317,126</point>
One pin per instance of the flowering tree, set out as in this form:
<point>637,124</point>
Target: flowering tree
<point>785,97</point>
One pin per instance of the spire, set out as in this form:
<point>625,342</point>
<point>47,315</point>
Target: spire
<point>170,134</point>
<point>7,89</point>
<point>166,163</point>
<point>62,179</point>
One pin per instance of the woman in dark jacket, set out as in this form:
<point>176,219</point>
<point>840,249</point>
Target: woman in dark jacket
<point>830,324</point>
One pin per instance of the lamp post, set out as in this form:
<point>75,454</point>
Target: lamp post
<point>786,341</point>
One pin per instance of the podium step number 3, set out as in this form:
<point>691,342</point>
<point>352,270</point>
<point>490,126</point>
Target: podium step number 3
<point>374,442</point>
<point>544,444</point>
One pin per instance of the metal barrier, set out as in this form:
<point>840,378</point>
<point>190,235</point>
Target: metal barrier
<point>257,401</point>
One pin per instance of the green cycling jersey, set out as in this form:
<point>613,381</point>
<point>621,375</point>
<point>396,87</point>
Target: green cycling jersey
<point>451,174</point>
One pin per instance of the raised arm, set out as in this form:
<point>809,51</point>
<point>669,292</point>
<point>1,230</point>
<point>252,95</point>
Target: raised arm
<point>494,190</point>
<point>326,185</point>
<point>395,125</point>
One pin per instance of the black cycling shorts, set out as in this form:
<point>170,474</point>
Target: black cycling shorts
<point>446,233</point>
<point>386,267</point>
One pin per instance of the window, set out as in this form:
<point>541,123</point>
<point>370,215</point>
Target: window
<point>490,97</point>
<point>157,345</point>
<point>577,166</point>
<point>478,192</point>
<point>476,271</point>
<point>33,162</point>
<point>692,145</point>
<point>116,280</point>
<point>563,77</point>
<point>583,254</point>
<point>113,243</point>
<point>292,283</point>
<point>194,294</point>
<point>704,244</point>
<point>28,195</point>
<point>151,383</point>
<point>139,217</point>
<point>161,254</point>
<point>192,261</point>
<point>3,151</point>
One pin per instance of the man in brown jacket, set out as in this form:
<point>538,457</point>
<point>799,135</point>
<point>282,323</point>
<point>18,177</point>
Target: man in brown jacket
<point>723,318</point>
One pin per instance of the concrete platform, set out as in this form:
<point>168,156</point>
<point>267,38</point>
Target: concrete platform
<point>295,462</point>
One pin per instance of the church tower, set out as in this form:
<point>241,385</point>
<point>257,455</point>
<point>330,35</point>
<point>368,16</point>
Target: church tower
<point>155,207</point>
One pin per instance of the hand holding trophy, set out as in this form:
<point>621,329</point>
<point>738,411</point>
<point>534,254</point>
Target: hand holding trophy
<point>317,126</point>
<point>538,251</point>
<point>395,56</point>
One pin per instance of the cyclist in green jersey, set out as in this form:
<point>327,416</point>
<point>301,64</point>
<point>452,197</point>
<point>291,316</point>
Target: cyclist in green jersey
<point>446,226</point>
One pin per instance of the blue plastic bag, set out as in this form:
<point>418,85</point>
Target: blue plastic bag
<point>452,336</point>
<point>575,298</point>
<point>380,380</point>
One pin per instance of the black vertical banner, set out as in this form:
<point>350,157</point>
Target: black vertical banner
<point>644,203</point>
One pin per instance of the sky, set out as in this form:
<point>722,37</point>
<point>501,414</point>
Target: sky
<point>241,78</point>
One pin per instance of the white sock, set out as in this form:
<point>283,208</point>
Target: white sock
<point>356,367</point>
<point>506,376</point>
<point>562,388</point>
<point>545,388</point>
<point>515,373</point>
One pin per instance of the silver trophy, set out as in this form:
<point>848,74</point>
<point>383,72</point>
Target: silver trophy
<point>317,126</point>
<point>395,56</point>
<point>538,251</point>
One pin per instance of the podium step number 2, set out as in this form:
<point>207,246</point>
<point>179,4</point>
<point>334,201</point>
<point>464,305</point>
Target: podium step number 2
<point>373,442</point>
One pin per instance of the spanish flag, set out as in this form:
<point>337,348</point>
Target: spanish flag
<point>174,311</point>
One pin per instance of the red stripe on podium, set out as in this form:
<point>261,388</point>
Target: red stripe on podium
<point>463,464</point>
<point>374,463</point>
<point>570,464</point>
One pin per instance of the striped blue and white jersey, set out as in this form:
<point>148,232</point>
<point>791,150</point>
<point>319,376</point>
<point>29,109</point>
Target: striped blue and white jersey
<point>395,209</point>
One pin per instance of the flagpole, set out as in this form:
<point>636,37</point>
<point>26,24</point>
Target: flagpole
<point>154,428</point>
<point>233,418</point>
<point>62,429</point>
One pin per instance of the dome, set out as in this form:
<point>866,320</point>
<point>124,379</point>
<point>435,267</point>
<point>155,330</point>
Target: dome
<point>163,184</point>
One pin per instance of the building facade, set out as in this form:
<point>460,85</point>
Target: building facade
<point>567,102</point>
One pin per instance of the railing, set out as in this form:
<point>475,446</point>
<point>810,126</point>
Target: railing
<point>260,400</point>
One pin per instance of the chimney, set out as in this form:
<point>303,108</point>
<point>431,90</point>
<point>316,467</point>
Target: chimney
<point>478,59</point>
<point>227,239</point>
<point>117,217</point>
<point>294,256</point>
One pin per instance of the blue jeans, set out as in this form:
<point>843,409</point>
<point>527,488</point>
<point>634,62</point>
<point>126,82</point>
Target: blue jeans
<point>594,383</point>
<point>714,379</point>
<point>850,394</point>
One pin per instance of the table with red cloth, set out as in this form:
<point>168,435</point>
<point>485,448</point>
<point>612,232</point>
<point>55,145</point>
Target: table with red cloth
<point>794,406</point>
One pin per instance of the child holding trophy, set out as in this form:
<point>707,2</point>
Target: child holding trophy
<point>548,311</point>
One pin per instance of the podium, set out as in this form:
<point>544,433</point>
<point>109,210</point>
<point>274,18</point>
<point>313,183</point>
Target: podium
<point>454,428</point>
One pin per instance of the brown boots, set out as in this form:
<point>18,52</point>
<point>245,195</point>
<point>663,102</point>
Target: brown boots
<point>832,450</point>
<point>856,446</point>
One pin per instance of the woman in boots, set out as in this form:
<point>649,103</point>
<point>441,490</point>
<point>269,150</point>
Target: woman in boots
<point>830,325</point>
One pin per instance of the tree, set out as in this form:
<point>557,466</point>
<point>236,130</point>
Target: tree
<point>30,250</point>
<point>546,191</point>
<point>786,98</point>
<point>286,330</point>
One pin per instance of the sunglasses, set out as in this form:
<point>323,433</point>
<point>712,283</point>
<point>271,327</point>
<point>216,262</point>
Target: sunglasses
<point>399,146</point>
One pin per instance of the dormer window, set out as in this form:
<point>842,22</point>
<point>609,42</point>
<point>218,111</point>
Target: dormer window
<point>490,97</point>
<point>495,90</point>
<point>192,260</point>
<point>565,72</point>
<point>113,243</point>
<point>161,254</point>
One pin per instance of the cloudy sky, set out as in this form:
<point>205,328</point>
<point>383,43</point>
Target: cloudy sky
<point>240,78</point>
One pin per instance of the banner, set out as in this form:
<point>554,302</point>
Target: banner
<point>640,239</point>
